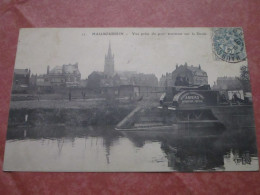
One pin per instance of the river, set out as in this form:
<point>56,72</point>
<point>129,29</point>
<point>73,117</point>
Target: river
<point>91,148</point>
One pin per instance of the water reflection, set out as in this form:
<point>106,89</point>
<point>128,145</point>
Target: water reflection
<point>63,148</point>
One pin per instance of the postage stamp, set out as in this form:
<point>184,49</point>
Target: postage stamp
<point>228,44</point>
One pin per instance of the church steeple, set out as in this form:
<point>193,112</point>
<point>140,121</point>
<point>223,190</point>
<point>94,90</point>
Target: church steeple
<point>109,62</point>
<point>109,53</point>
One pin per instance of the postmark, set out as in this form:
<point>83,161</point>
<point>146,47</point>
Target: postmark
<point>228,44</point>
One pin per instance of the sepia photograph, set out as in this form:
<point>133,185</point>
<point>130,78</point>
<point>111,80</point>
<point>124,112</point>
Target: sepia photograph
<point>131,100</point>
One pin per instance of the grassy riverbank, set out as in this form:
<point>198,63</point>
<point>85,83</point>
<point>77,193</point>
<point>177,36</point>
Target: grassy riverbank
<point>76,112</point>
<point>80,103</point>
<point>58,104</point>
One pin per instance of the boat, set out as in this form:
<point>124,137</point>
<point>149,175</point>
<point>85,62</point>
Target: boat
<point>196,110</point>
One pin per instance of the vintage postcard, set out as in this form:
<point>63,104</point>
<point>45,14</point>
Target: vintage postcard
<point>131,100</point>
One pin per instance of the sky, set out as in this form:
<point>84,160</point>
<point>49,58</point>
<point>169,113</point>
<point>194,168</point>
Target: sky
<point>145,50</point>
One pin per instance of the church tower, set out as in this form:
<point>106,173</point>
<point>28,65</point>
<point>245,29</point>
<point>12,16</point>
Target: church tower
<point>109,63</point>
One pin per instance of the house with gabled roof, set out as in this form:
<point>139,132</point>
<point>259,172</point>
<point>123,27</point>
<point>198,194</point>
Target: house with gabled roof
<point>185,75</point>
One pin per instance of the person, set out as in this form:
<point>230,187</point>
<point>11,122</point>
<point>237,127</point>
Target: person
<point>26,118</point>
<point>83,93</point>
<point>223,98</point>
<point>236,99</point>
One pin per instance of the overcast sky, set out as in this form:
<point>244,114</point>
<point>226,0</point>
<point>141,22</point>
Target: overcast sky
<point>158,54</point>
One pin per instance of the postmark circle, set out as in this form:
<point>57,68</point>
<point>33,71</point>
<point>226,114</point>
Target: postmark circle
<point>228,44</point>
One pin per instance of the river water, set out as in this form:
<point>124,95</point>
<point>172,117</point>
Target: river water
<point>63,148</point>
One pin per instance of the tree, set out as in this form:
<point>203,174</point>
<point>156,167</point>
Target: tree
<point>244,78</point>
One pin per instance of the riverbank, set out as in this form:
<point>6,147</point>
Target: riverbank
<point>80,103</point>
<point>58,104</point>
<point>72,113</point>
<point>68,116</point>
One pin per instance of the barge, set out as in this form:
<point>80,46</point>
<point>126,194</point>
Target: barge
<point>199,110</point>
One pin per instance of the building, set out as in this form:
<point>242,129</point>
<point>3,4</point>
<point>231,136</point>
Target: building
<point>113,81</point>
<point>65,75</point>
<point>43,85</point>
<point>33,80</point>
<point>185,75</point>
<point>83,83</point>
<point>138,79</point>
<point>166,80</point>
<point>21,80</point>
<point>142,79</point>
<point>109,67</point>
<point>125,77</point>
<point>227,83</point>
<point>111,78</point>
<point>99,79</point>
<point>21,77</point>
<point>53,76</point>
<point>94,79</point>
<point>72,74</point>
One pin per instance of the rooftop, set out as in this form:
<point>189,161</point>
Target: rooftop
<point>192,68</point>
<point>21,71</point>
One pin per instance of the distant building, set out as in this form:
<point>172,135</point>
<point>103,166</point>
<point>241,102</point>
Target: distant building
<point>109,67</point>
<point>111,78</point>
<point>33,80</point>
<point>166,80</point>
<point>142,79</point>
<point>83,83</point>
<point>185,75</point>
<point>125,77</point>
<point>43,85</point>
<point>21,77</point>
<point>94,79</point>
<point>108,78</point>
<point>21,80</point>
<point>227,83</point>
<point>110,81</point>
<point>65,75</point>
<point>138,79</point>
<point>99,79</point>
